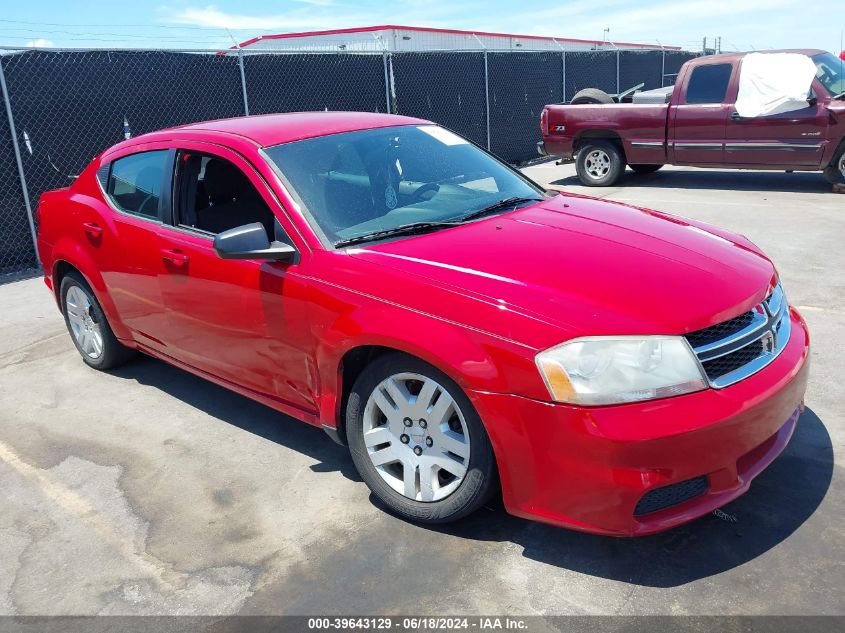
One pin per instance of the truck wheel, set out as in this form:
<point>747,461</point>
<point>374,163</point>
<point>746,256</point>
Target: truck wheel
<point>645,169</point>
<point>591,95</point>
<point>835,172</point>
<point>599,163</point>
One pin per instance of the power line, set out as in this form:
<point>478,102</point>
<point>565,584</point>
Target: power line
<point>110,40</point>
<point>109,26</point>
<point>119,35</point>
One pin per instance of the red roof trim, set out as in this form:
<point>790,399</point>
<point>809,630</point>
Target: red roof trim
<point>385,27</point>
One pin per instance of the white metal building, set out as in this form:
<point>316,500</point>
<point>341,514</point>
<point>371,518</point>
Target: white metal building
<point>416,38</point>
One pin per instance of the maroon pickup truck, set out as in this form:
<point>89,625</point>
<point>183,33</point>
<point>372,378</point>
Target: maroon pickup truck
<point>697,123</point>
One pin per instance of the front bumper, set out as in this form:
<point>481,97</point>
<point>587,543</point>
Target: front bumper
<point>587,468</point>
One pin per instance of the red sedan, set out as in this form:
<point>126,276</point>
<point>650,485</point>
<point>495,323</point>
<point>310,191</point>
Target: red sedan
<point>607,368</point>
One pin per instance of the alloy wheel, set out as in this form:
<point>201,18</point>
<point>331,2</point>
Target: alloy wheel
<point>597,163</point>
<point>416,437</point>
<point>83,323</point>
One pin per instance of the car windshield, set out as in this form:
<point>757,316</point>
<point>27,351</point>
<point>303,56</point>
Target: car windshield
<point>830,71</point>
<point>359,183</point>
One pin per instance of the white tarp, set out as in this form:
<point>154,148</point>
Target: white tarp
<point>770,83</point>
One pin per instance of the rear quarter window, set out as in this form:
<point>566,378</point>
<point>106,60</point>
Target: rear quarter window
<point>709,84</point>
<point>135,182</point>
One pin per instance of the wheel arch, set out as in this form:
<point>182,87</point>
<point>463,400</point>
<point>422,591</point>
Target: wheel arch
<point>598,135</point>
<point>69,256</point>
<point>351,364</point>
<point>837,150</point>
<point>342,357</point>
<point>61,268</point>
<point>832,170</point>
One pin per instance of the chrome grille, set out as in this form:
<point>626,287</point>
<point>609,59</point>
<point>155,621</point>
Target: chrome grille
<point>720,330</point>
<point>737,348</point>
<point>730,362</point>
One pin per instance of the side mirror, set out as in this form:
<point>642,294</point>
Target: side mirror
<point>812,100</point>
<point>250,242</point>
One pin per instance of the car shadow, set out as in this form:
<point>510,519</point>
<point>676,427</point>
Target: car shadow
<point>242,412</point>
<point>780,500</point>
<point>728,180</point>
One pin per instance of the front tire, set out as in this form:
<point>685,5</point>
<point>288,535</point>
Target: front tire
<point>417,441</point>
<point>88,327</point>
<point>835,172</point>
<point>599,163</point>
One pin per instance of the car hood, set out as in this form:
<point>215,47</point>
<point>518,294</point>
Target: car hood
<point>591,266</point>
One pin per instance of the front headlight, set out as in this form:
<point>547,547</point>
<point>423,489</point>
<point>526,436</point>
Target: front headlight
<point>599,370</point>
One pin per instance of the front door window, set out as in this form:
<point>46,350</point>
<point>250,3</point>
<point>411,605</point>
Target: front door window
<point>215,196</point>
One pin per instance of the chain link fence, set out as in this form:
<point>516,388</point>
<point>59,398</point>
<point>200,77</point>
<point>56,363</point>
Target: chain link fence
<point>316,81</point>
<point>520,84</point>
<point>16,249</point>
<point>636,67</point>
<point>591,69</point>
<point>66,106</point>
<point>672,62</point>
<point>70,106</point>
<point>447,88</point>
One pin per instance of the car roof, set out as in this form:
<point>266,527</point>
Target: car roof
<point>732,57</point>
<point>273,129</point>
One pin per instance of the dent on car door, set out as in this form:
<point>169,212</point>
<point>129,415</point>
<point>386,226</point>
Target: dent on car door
<point>135,187</point>
<point>241,320</point>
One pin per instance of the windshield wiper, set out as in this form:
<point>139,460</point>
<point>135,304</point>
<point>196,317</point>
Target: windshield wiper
<point>840,95</point>
<point>496,206</point>
<point>421,227</point>
<point>406,229</point>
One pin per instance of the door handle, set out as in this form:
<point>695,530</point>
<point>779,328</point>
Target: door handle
<point>93,229</point>
<point>174,256</point>
<point>736,117</point>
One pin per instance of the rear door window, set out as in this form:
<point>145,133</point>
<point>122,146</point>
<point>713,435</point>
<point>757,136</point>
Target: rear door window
<point>709,84</point>
<point>135,183</point>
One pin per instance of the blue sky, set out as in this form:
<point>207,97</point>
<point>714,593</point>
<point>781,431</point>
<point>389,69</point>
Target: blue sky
<point>742,24</point>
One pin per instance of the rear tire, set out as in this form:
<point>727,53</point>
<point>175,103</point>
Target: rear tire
<point>88,327</point>
<point>645,169</point>
<point>417,441</point>
<point>591,95</point>
<point>599,163</point>
<point>835,172</point>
